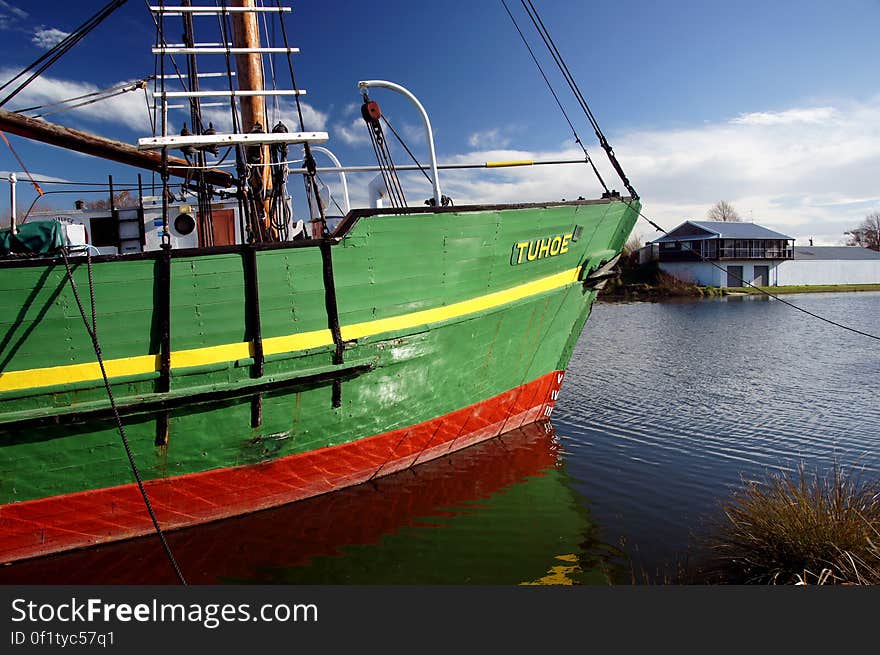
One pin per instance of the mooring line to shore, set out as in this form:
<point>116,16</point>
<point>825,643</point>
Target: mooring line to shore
<point>93,333</point>
<point>749,284</point>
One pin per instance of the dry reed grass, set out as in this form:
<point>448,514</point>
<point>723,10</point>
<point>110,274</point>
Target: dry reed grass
<point>802,528</point>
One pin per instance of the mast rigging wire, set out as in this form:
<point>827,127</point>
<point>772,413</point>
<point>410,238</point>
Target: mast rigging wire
<point>749,284</point>
<point>21,163</point>
<point>408,151</point>
<point>125,87</point>
<point>310,180</point>
<point>550,44</point>
<point>42,63</point>
<point>539,25</point>
<point>577,138</point>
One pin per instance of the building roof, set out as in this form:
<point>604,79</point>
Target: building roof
<point>720,230</point>
<point>835,252</point>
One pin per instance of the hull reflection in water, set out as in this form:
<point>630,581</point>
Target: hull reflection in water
<point>501,512</point>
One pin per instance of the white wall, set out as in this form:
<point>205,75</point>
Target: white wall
<point>708,275</point>
<point>829,271</point>
<point>789,272</point>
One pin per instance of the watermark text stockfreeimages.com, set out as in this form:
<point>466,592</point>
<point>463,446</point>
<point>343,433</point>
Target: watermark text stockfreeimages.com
<point>208,615</point>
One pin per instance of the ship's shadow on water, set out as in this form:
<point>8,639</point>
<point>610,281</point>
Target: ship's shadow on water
<point>501,512</point>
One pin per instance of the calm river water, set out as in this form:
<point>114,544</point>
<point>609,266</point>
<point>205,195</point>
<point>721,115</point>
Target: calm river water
<point>665,408</point>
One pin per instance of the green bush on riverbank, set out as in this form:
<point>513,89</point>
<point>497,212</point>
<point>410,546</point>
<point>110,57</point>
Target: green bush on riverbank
<point>648,282</point>
<point>801,529</point>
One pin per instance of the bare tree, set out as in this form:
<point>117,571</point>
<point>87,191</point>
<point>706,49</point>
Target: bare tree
<point>867,234</point>
<point>123,198</point>
<point>632,245</point>
<point>723,211</point>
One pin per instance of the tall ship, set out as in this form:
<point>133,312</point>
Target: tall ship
<point>205,354</point>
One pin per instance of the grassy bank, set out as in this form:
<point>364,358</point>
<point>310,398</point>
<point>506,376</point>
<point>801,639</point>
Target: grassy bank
<point>816,288</point>
<point>801,528</point>
<point>648,282</point>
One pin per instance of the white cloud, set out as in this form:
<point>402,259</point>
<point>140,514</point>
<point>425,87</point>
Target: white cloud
<point>10,15</point>
<point>48,37</point>
<point>353,134</point>
<point>806,171</point>
<point>313,119</point>
<point>127,110</point>
<point>413,133</point>
<point>812,115</point>
<point>488,139</point>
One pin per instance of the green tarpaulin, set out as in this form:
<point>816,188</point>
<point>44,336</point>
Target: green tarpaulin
<point>38,238</point>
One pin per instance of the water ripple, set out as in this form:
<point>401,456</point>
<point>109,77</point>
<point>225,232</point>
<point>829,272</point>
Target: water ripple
<point>667,406</point>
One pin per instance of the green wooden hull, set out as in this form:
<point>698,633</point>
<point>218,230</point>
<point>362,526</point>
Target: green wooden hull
<point>437,310</point>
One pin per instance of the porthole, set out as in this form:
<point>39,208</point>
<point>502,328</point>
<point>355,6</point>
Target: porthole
<point>184,224</point>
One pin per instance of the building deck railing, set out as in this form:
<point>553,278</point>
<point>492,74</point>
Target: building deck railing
<point>756,253</point>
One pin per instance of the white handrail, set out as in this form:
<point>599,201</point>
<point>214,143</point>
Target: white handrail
<point>335,161</point>
<point>391,86</point>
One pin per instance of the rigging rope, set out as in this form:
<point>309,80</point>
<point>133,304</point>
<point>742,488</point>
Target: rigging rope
<point>160,38</point>
<point>21,163</point>
<point>310,179</point>
<point>550,44</point>
<point>408,151</point>
<point>749,284</point>
<point>42,63</point>
<point>105,93</point>
<point>371,114</point>
<point>542,30</point>
<point>96,344</point>
<point>577,138</point>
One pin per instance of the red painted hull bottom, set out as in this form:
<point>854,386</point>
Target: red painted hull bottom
<point>50,525</point>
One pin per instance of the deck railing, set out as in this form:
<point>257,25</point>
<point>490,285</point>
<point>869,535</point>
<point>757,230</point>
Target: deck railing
<point>755,253</point>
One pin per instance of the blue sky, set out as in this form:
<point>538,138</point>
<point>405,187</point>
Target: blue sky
<point>774,107</point>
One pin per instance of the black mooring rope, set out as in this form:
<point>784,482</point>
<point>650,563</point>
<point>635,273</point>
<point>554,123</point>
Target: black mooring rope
<point>93,333</point>
<point>749,284</point>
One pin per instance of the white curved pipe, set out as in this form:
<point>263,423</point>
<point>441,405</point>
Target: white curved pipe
<point>383,84</point>
<point>335,161</point>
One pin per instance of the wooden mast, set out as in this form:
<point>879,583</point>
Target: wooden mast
<point>249,72</point>
<point>249,65</point>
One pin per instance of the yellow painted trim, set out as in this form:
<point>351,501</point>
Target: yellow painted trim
<point>293,342</point>
<point>472,306</point>
<point>72,373</point>
<point>211,354</point>
<point>50,376</point>
<point>513,162</point>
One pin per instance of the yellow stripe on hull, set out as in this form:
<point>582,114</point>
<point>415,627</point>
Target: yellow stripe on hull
<point>125,366</point>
